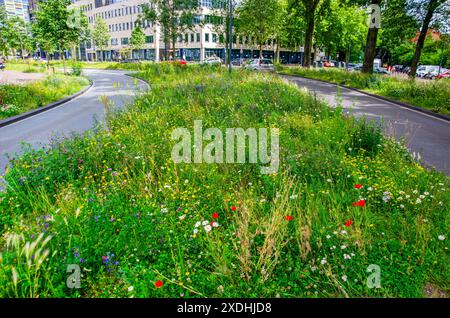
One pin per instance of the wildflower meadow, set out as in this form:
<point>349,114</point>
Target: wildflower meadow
<point>348,213</point>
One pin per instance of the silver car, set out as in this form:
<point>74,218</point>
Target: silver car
<point>213,60</point>
<point>260,65</point>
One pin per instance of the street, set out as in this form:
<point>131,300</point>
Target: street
<point>424,134</point>
<point>76,116</point>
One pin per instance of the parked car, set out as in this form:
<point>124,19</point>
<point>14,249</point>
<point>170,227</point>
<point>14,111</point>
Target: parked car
<point>213,60</point>
<point>425,70</point>
<point>380,70</point>
<point>238,62</point>
<point>445,74</point>
<point>179,61</point>
<point>351,66</point>
<point>434,73</point>
<point>2,66</point>
<point>260,65</point>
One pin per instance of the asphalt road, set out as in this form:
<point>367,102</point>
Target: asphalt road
<point>78,115</point>
<point>425,135</point>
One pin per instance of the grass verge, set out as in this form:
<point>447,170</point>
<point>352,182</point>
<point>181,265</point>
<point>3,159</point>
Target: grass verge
<point>112,202</point>
<point>18,99</point>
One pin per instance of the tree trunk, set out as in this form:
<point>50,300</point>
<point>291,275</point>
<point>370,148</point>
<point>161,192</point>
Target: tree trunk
<point>277,52</point>
<point>432,5</point>
<point>369,53</point>
<point>308,39</point>
<point>64,62</point>
<point>174,44</point>
<point>260,51</point>
<point>371,46</point>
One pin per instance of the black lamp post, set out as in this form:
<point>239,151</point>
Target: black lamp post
<point>230,36</point>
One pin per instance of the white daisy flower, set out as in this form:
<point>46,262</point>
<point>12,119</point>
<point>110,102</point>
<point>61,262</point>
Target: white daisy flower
<point>215,224</point>
<point>195,231</point>
<point>441,237</point>
<point>344,278</point>
<point>323,261</point>
<point>205,223</point>
<point>198,224</point>
<point>346,256</point>
<point>208,228</point>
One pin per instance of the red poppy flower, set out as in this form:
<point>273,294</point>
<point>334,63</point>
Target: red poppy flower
<point>289,217</point>
<point>348,223</point>
<point>215,215</point>
<point>361,203</point>
<point>159,284</point>
<point>233,208</point>
<point>358,186</point>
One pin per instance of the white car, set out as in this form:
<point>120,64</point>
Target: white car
<point>424,70</point>
<point>214,60</point>
<point>260,65</point>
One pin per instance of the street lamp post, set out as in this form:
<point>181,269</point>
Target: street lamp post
<point>230,36</point>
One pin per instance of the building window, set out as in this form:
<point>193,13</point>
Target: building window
<point>192,37</point>
<point>198,37</point>
<point>214,38</point>
<point>186,38</point>
<point>124,41</point>
<point>149,39</point>
<point>114,41</point>
<point>206,37</point>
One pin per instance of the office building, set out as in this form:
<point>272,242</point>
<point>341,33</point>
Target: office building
<point>196,44</point>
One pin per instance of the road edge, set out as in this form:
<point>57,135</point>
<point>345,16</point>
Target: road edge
<point>395,102</point>
<point>9,121</point>
<point>136,76</point>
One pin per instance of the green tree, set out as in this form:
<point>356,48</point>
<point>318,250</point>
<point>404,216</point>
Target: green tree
<point>19,36</point>
<point>293,25</point>
<point>398,27</point>
<point>310,10</point>
<point>259,19</point>
<point>221,22</point>
<point>57,27</point>
<point>371,42</point>
<point>340,27</point>
<point>174,17</point>
<point>429,10</point>
<point>4,47</point>
<point>137,40</point>
<point>100,35</point>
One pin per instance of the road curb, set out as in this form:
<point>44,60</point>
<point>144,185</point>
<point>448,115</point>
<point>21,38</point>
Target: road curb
<point>135,76</point>
<point>402,104</point>
<point>9,121</point>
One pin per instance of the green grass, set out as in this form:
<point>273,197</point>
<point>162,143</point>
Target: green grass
<point>114,203</point>
<point>17,99</point>
<point>432,95</point>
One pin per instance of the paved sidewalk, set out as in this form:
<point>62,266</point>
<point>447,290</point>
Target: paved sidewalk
<point>14,77</point>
